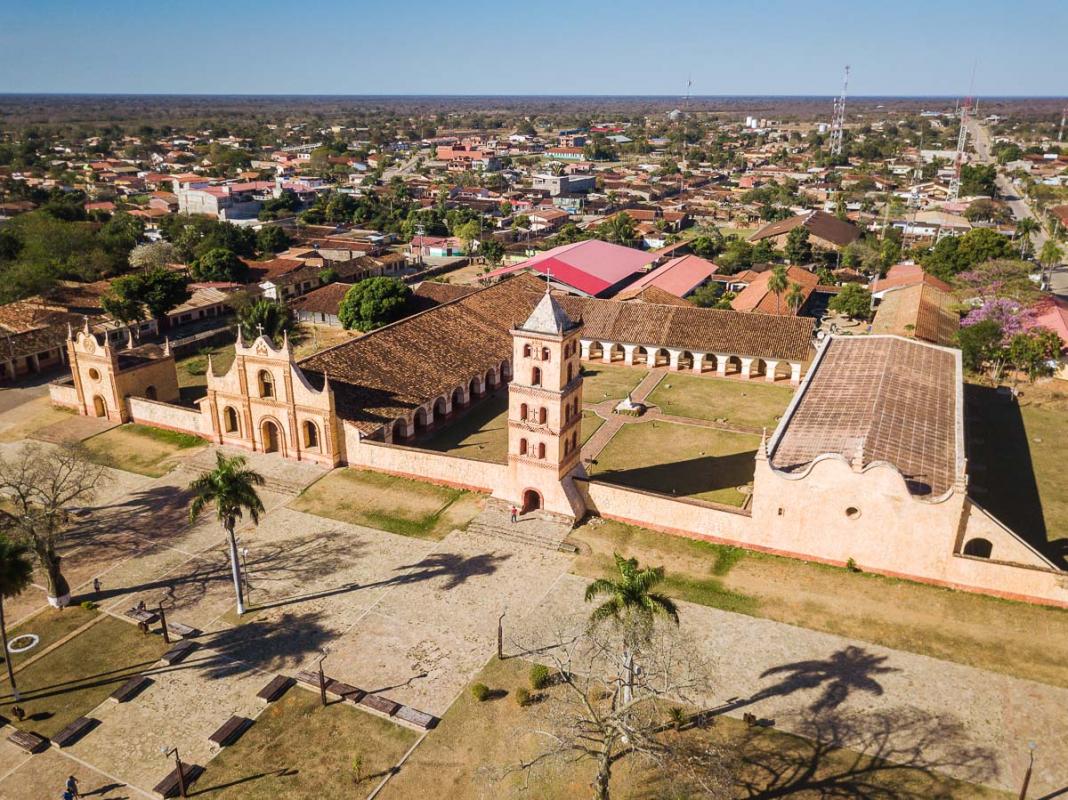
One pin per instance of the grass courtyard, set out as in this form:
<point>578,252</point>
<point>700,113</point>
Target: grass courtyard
<point>396,505</point>
<point>299,750</point>
<point>746,404</point>
<point>474,751</point>
<point>607,382</point>
<point>140,448</point>
<point>680,460</point>
<point>480,432</point>
<point>1016,639</point>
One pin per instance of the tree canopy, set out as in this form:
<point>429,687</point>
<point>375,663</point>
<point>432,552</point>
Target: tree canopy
<point>218,264</point>
<point>373,302</point>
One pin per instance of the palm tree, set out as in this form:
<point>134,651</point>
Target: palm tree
<point>1024,228</point>
<point>632,605</point>
<point>1050,256</point>
<point>795,297</point>
<point>16,573</point>
<point>777,284</point>
<point>231,487</point>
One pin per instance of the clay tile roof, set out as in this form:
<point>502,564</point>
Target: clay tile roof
<point>819,223</point>
<point>323,300</point>
<point>923,311</point>
<point>651,294</point>
<point>885,399</point>
<point>757,297</point>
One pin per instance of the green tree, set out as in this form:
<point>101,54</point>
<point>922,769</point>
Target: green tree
<point>777,284</point>
<point>632,606</point>
<point>271,239</point>
<point>269,316</point>
<point>1050,255</point>
<point>619,229</point>
<point>373,302</point>
<point>707,296</point>
<point>231,488</point>
<point>979,344</point>
<point>468,234</point>
<point>798,249</point>
<point>219,264</point>
<point>153,255</point>
<point>705,246</point>
<point>1035,352</point>
<point>491,250</point>
<point>795,297</point>
<point>854,300</point>
<point>16,575</point>
<point>157,291</point>
<point>978,179</point>
<point>1024,230</point>
<point>736,256</point>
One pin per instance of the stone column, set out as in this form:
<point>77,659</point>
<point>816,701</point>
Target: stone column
<point>721,365</point>
<point>747,368</point>
<point>769,370</point>
<point>35,359</point>
<point>628,354</point>
<point>584,346</point>
<point>795,373</point>
<point>650,357</point>
<point>698,362</point>
<point>673,359</point>
<point>606,352</point>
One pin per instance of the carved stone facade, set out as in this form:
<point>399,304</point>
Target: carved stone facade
<point>545,413</point>
<point>265,403</point>
<point>103,376</point>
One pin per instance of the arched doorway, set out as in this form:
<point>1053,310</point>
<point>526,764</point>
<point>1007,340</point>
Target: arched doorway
<point>271,438</point>
<point>531,501</point>
<point>980,548</point>
<point>150,392</point>
<point>100,408</point>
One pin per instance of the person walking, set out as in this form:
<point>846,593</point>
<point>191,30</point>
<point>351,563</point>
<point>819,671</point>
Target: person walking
<point>96,586</point>
<point>72,787</point>
<point>515,513</point>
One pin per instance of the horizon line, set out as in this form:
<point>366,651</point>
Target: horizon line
<point>522,94</point>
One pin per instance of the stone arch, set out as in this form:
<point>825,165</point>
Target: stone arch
<point>441,407</point>
<point>543,415</point>
<point>758,367</point>
<point>535,376</point>
<point>570,372</point>
<point>100,406</point>
<point>531,500</point>
<point>310,431</point>
<point>527,350</point>
<point>398,430</point>
<point>980,548</point>
<point>490,381</point>
<point>734,365</point>
<point>782,371</point>
<point>505,370</point>
<point>231,422</point>
<point>596,351</point>
<point>522,447</point>
<point>265,383</point>
<point>541,449</point>
<point>271,436</point>
<point>475,387</point>
<point>659,356</point>
<point>686,360</point>
<point>614,350</point>
<point>458,397</point>
<point>420,419</point>
<point>150,392</point>
<point>524,411</point>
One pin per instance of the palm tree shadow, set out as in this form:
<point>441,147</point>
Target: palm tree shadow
<point>849,670</point>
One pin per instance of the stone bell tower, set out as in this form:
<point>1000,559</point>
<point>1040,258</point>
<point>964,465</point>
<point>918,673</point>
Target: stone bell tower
<point>545,413</point>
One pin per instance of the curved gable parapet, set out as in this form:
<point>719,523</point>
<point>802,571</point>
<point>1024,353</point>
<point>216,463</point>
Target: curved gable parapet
<point>908,487</point>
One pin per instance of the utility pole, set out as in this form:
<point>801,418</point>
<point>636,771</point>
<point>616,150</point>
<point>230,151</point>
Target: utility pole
<point>838,118</point>
<point>958,159</point>
<point>1060,133</point>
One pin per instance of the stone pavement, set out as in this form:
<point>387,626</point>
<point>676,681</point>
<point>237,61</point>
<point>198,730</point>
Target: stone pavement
<point>779,671</point>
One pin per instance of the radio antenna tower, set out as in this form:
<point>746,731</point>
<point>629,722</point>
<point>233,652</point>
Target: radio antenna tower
<point>1060,134</point>
<point>838,119</point>
<point>966,108</point>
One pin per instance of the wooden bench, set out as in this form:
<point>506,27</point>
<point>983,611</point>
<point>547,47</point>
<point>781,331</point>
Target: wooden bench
<point>179,652</point>
<point>231,731</point>
<point>344,691</point>
<point>309,678</point>
<point>130,689</point>
<point>75,731</point>
<point>139,615</point>
<point>278,686</point>
<point>30,742</point>
<point>419,719</point>
<point>168,787</point>
<point>382,705</point>
<point>178,629</point>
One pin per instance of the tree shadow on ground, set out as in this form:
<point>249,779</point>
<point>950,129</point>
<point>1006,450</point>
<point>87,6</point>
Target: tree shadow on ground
<point>1001,471</point>
<point>899,754</point>
<point>457,569</point>
<point>852,669</point>
<point>684,478</point>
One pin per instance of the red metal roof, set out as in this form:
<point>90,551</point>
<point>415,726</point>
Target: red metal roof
<point>590,266</point>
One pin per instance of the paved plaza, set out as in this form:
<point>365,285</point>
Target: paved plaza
<point>415,619</point>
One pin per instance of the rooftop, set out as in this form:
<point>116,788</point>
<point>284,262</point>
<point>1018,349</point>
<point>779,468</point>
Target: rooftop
<point>590,266</point>
<point>679,276</point>
<point>920,310</point>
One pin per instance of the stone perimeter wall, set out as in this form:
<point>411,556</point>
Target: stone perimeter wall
<point>168,416</point>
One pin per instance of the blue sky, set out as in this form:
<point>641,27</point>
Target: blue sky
<point>547,47</point>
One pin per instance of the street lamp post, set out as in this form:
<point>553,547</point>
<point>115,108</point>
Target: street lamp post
<point>322,678</point>
<point>163,623</point>
<point>178,767</point>
<point>1027,775</point>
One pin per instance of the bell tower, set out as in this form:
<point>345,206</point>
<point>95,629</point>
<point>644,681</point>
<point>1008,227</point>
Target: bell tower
<point>545,413</point>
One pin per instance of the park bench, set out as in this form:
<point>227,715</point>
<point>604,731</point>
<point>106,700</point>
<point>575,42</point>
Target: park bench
<point>178,629</point>
<point>310,678</point>
<point>142,615</point>
<point>382,705</point>
<point>230,731</point>
<point>418,718</point>
<point>73,732</point>
<point>168,787</point>
<point>344,691</point>
<point>179,652</point>
<point>30,742</point>
<point>130,689</point>
<point>276,688</point>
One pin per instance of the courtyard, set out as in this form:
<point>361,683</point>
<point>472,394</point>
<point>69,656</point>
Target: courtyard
<point>379,574</point>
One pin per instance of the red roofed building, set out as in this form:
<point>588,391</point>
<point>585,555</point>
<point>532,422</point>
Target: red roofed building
<point>757,297</point>
<point>680,276</point>
<point>907,274</point>
<point>593,268</point>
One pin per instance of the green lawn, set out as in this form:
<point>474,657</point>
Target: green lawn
<point>389,503</point>
<point>680,460</point>
<point>79,674</point>
<point>299,750</point>
<point>193,369</point>
<point>49,626</point>
<point>480,432</point>
<point>590,423</point>
<point>604,381</point>
<point>140,448</point>
<point>747,404</point>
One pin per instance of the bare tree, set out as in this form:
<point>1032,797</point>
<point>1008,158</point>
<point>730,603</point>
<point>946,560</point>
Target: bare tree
<point>40,487</point>
<point>585,717</point>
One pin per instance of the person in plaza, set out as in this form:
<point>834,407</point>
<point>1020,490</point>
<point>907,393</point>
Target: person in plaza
<point>96,586</point>
<point>72,787</point>
<point>515,513</point>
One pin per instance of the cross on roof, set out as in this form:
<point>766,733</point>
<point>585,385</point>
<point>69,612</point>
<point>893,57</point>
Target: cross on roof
<point>260,329</point>
<point>548,278</point>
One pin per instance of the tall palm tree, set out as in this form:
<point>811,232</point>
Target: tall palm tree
<point>777,284</point>
<point>795,297</point>
<point>231,488</point>
<point>1049,257</point>
<point>633,605</point>
<point>1024,228</point>
<point>16,573</point>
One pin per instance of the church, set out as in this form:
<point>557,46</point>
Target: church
<point>867,466</point>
